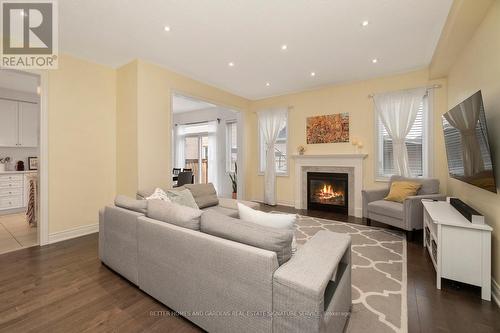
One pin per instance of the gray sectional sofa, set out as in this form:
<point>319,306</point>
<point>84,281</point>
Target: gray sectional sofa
<point>225,278</point>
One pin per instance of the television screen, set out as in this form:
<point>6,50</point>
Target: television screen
<point>467,146</point>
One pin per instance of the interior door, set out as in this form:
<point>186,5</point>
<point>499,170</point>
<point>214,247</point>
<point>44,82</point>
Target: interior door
<point>9,123</point>
<point>29,115</point>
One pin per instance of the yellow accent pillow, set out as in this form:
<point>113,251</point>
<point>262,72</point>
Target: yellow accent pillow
<point>401,190</point>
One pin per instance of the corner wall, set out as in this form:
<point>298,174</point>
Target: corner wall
<point>82,143</point>
<point>478,68</point>
<point>152,117</point>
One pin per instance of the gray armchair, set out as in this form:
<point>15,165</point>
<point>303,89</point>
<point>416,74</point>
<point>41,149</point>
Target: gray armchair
<point>407,215</point>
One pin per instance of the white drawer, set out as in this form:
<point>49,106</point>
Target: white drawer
<point>7,192</point>
<point>9,177</point>
<point>11,184</point>
<point>11,202</point>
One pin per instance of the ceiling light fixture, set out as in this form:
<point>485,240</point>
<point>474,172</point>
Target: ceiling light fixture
<point>365,23</point>
<point>284,47</point>
<point>166,28</point>
<point>313,73</point>
<point>268,84</point>
<point>375,60</point>
<point>231,64</point>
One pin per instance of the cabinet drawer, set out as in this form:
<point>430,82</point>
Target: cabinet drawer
<point>10,184</point>
<point>10,177</point>
<point>11,202</point>
<point>7,192</point>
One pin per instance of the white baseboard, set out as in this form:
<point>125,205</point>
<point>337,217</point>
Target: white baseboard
<point>495,291</point>
<point>73,233</point>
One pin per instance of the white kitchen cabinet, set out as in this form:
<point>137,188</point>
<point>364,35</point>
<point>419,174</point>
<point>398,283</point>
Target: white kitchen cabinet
<point>9,123</point>
<point>28,124</point>
<point>19,124</point>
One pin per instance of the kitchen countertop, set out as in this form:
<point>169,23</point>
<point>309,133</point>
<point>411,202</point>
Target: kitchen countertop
<point>14,172</point>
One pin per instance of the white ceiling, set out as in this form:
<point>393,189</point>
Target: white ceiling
<point>182,103</point>
<point>18,81</point>
<point>324,36</point>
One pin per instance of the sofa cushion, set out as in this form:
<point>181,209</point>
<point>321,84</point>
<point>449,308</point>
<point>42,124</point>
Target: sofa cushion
<point>204,194</point>
<point>233,203</point>
<point>182,197</point>
<point>429,185</point>
<point>139,206</point>
<point>401,190</point>
<point>282,221</point>
<point>267,238</point>
<point>174,213</point>
<point>222,210</point>
<point>387,208</point>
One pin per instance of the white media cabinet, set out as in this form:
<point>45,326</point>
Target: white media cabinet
<point>459,249</point>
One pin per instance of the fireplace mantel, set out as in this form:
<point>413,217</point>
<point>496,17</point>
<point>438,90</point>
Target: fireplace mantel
<point>329,163</point>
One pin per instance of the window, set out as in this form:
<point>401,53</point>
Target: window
<point>231,145</point>
<point>417,144</point>
<point>280,151</point>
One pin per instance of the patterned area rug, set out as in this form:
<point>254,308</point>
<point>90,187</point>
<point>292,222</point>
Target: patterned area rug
<point>378,274</point>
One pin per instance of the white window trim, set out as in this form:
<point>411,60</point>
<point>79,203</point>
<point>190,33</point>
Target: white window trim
<point>428,145</point>
<point>259,164</point>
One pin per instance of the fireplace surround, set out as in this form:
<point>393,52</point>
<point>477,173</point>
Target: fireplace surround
<point>328,191</point>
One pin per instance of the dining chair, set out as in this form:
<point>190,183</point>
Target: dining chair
<point>185,177</point>
<point>187,170</point>
<point>175,171</point>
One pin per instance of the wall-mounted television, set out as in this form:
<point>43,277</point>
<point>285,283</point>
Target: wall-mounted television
<point>467,145</point>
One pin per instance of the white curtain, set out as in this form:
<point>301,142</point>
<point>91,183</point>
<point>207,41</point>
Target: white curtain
<point>213,176</point>
<point>271,122</point>
<point>465,117</point>
<point>397,111</point>
<point>180,143</point>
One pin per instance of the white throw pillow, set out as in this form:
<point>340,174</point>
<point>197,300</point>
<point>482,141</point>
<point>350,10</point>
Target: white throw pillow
<point>278,221</point>
<point>159,194</point>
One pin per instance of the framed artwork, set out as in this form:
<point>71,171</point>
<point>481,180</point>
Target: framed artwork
<point>332,128</point>
<point>32,163</point>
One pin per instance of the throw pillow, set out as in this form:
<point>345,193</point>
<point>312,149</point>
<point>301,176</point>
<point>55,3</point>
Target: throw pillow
<point>205,195</point>
<point>280,221</point>
<point>249,233</point>
<point>400,190</point>
<point>123,201</point>
<point>182,197</point>
<point>159,194</point>
<point>173,213</point>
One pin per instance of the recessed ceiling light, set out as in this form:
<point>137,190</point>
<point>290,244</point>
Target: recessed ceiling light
<point>268,84</point>
<point>166,28</point>
<point>231,64</point>
<point>313,73</point>
<point>375,60</point>
<point>284,47</point>
<point>365,23</point>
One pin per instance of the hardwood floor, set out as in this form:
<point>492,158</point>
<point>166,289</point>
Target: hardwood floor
<point>63,287</point>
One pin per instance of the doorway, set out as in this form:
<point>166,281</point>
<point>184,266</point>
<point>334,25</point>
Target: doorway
<point>202,131</point>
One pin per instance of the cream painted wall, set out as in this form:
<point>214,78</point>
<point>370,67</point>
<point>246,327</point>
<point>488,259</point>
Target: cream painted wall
<point>352,98</point>
<point>478,68</point>
<point>126,130</point>
<point>82,142</point>
<point>155,85</point>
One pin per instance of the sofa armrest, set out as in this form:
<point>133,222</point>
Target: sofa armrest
<point>372,195</point>
<point>313,285</point>
<point>413,209</point>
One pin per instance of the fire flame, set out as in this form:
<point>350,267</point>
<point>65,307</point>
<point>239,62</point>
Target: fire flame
<point>327,192</point>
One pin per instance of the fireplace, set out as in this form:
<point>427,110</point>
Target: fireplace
<point>328,191</point>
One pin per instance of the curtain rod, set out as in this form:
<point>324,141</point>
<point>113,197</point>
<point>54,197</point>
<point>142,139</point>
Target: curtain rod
<point>434,86</point>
